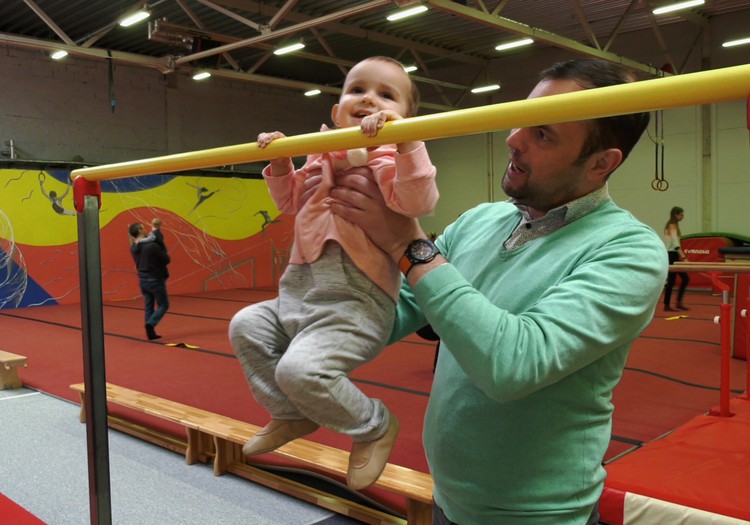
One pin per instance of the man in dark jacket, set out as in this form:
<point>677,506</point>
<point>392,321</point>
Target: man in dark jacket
<point>151,260</point>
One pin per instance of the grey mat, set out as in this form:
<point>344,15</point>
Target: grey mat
<point>44,468</point>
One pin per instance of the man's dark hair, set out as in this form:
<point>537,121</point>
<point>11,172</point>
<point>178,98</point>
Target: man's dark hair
<point>134,229</point>
<point>621,132</point>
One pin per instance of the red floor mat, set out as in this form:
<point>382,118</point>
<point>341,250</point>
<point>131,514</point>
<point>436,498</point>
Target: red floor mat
<point>672,371</point>
<point>208,377</point>
<point>704,465</point>
<point>14,514</point>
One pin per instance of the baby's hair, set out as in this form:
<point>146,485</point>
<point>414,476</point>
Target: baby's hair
<point>413,95</point>
<point>156,223</point>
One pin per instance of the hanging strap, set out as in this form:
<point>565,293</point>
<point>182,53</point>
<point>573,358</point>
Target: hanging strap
<point>659,183</point>
<point>112,100</point>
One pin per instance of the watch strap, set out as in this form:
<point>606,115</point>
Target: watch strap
<point>405,265</point>
<point>409,259</point>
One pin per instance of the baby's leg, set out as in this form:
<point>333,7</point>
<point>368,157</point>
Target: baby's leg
<point>259,341</point>
<point>348,320</point>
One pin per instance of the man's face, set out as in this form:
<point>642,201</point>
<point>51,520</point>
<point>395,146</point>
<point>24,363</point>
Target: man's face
<point>544,170</point>
<point>371,86</point>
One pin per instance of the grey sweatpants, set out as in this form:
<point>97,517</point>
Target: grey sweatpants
<point>297,350</point>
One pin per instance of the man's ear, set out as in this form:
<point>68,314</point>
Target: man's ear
<point>335,115</point>
<point>604,163</point>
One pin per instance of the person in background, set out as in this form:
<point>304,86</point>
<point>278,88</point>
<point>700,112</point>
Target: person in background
<point>156,233</point>
<point>672,240</point>
<point>537,301</point>
<point>151,260</point>
<point>336,300</point>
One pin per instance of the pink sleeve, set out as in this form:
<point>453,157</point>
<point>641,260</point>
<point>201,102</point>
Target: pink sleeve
<point>286,189</point>
<point>407,181</point>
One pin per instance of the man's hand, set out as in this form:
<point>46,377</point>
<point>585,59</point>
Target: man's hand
<point>310,186</point>
<point>358,200</point>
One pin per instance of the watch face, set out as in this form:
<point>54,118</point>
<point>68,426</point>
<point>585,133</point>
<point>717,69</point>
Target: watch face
<point>422,251</point>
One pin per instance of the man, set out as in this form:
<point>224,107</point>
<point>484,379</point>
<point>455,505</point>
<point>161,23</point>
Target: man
<point>151,260</point>
<point>536,301</point>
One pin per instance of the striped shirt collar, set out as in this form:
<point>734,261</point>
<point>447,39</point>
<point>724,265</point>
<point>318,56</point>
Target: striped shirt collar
<point>529,229</point>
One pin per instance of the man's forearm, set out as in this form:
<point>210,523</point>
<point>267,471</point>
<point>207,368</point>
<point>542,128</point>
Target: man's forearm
<point>420,270</point>
<point>417,271</point>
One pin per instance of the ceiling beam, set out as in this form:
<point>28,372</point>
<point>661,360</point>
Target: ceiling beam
<point>583,20</point>
<point>300,86</point>
<point>356,32</point>
<point>233,15</point>
<point>50,23</point>
<point>540,35</point>
<point>345,13</point>
<point>620,24</point>
<point>340,62</point>
<point>162,64</point>
<point>93,37</point>
<point>283,10</point>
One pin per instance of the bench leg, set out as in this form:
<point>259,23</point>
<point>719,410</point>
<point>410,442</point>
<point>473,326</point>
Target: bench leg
<point>223,452</point>
<point>191,453</point>
<point>227,453</point>
<point>82,415</point>
<point>200,446</point>
<point>9,378</point>
<point>418,513</point>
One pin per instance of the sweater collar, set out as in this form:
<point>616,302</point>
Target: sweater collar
<point>529,229</point>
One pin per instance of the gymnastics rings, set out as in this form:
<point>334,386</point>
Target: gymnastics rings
<point>660,184</point>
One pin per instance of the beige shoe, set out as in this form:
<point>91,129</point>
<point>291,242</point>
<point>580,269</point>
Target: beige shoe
<point>367,460</point>
<point>276,433</point>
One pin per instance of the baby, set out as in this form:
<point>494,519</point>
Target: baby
<point>337,297</point>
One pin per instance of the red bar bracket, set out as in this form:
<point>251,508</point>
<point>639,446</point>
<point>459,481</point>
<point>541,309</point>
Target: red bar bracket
<point>82,188</point>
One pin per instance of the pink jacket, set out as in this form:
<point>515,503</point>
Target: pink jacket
<point>407,182</point>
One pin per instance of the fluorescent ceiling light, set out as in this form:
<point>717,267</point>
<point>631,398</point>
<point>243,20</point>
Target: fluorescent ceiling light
<point>135,18</point>
<point>398,15</point>
<point>289,49</point>
<point>312,92</point>
<point>678,6</point>
<point>515,43</point>
<point>738,42</point>
<point>483,89</point>
<point>409,69</point>
<point>57,55</point>
<point>201,75</point>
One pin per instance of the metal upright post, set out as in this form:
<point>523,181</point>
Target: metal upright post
<point>725,326</point>
<point>92,328</point>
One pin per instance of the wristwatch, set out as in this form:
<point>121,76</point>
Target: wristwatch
<point>419,251</point>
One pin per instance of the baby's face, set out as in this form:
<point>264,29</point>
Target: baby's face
<point>372,86</point>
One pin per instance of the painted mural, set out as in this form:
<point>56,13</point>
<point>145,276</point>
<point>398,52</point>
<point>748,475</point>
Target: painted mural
<point>222,233</point>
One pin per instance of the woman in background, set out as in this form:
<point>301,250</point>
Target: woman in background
<point>672,237</point>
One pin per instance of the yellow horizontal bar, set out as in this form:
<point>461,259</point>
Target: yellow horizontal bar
<point>705,87</point>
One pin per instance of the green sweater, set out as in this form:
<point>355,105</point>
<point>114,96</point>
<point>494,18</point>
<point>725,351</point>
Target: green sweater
<point>533,342</point>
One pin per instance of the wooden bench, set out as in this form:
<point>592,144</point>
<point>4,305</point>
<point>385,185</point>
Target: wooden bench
<point>9,364</point>
<point>220,438</point>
